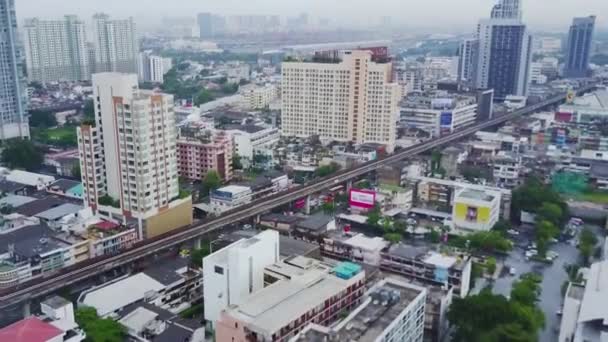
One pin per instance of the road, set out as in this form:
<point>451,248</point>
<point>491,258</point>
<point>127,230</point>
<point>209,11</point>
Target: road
<point>65,277</point>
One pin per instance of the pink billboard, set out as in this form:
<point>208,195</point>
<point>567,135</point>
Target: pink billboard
<point>362,199</point>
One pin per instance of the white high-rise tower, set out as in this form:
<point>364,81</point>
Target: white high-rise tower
<point>116,47</point>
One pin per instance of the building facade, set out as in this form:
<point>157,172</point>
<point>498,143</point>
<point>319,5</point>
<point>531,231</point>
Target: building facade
<point>153,68</point>
<point>56,50</point>
<point>475,211</point>
<point>469,50</point>
<point>129,159</point>
<point>13,123</point>
<point>116,46</point>
<point>351,100</point>
<point>578,51</point>
<point>505,51</point>
<point>203,151</point>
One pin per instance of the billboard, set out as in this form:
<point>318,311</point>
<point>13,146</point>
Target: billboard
<point>446,119</point>
<point>362,199</point>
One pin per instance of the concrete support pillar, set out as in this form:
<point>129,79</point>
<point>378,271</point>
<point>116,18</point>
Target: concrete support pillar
<point>307,205</point>
<point>197,243</point>
<point>26,309</point>
<point>349,185</point>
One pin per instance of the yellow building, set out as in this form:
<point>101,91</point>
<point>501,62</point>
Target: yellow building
<point>475,211</point>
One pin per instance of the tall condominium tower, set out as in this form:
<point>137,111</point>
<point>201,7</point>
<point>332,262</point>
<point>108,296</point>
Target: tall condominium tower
<point>153,68</point>
<point>579,47</point>
<point>128,157</point>
<point>13,123</point>
<point>505,51</point>
<point>350,100</point>
<point>116,47</point>
<point>467,62</point>
<point>56,50</point>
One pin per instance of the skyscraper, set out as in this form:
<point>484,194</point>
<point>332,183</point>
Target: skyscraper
<point>579,47</point>
<point>13,123</point>
<point>116,47</point>
<point>56,50</point>
<point>350,100</point>
<point>505,51</point>
<point>210,25</point>
<point>467,63</point>
<point>128,157</point>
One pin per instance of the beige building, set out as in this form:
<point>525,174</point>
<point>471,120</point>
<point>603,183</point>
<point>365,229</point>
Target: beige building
<point>350,100</point>
<point>129,158</point>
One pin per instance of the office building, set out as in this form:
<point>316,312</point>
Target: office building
<point>353,100</point>
<point>200,151</point>
<point>232,274</point>
<point>128,156</point>
<point>578,50</point>
<point>391,311</point>
<point>116,46</point>
<point>153,68</point>
<point>503,61</point>
<point>229,197</point>
<point>307,291</point>
<point>469,50</point>
<point>475,211</point>
<point>13,123</point>
<point>56,50</point>
<point>584,312</point>
<point>438,113</point>
<point>210,25</point>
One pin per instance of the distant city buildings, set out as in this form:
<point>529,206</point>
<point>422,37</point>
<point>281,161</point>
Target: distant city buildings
<point>153,68</point>
<point>350,100</point>
<point>13,122</point>
<point>116,46</point>
<point>128,156</point>
<point>578,51</point>
<point>56,50</point>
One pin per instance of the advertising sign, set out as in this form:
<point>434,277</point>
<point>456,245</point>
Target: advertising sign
<point>363,199</point>
<point>446,119</point>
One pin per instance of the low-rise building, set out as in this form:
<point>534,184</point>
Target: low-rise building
<point>230,197</point>
<point>200,151</point>
<point>391,311</point>
<point>475,211</point>
<point>313,293</point>
<point>250,140</point>
<point>507,169</point>
<point>259,97</point>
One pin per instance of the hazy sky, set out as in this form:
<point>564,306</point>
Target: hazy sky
<point>440,14</point>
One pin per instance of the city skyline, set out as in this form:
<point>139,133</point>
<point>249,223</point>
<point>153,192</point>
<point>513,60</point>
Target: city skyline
<point>460,15</point>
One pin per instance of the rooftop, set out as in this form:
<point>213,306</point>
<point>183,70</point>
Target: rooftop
<point>30,241</point>
<point>595,297</point>
<point>31,329</point>
<point>59,212</point>
<point>56,302</point>
<point>168,271</point>
<point>317,222</point>
<point>245,128</point>
<point>476,195</point>
<point>426,255</point>
<point>15,201</point>
<point>40,205</point>
<point>63,185</point>
<point>10,187</point>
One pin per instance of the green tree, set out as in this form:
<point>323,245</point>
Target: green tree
<point>491,265</point>
<point>329,208</point>
<point>236,162</point>
<point>22,154</point>
<point>326,170</point>
<point>392,237</point>
<point>544,231</point>
<point>532,193</point>
<point>197,255</point>
<point>374,216</point>
<point>492,241</point>
<point>550,212</point>
<point>203,97</point>
<point>42,118</point>
<point>212,181</point>
<point>502,226</point>
<point>99,329</point>
<point>587,242</point>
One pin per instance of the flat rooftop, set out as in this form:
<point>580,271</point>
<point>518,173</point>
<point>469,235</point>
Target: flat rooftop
<point>476,195</point>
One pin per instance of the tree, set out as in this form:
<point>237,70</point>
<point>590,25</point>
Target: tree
<point>236,162</point>
<point>99,329</point>
<point>42,118</point>
<point>203,97</point>
<point>491,265</point>
<point>502,226</point>
<point>329,208</point>
<point>550,212</point>
<point>587,242</point>
<point>197,255</point>
<point>326,170</point>
<point>230,88</point>
<point>374,216</point>
<point>392,237</point>
<point>212,181</point>
<point>22,154</point>
<point>527,290</point>
<point>532,193</point>
<point>492,241</point>
<point>544,231</point>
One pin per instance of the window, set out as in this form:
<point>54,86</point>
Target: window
<point>218,270</point>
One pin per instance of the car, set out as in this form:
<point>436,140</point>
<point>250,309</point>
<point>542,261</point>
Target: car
<point>512,271</point>
<point>513,232</point>
<point>247,227</point>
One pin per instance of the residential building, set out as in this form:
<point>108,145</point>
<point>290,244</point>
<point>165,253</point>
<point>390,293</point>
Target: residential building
<point>353,100</point>
<point>229,197</point>
<point>536,73</point>
<point>547,45</point>
<point>232,274</point>
<point>200,151</point>
<point>429,267</point>
<point>578,52</point>
<point>504,51</point>
<point>250,140</point>
<point>307,292</point>
<point>56,50</point>
<point>507,169</point>
<point>587,109</point>
<point>57,323</point>
<point>116,46</point>
<point>475,210</point>
<point>13,122</point>
<point>259,97</point>
<point>438,113</point>
<point>391,311</point>
<point>210,25</point>
<point>353,247</point>
<point>153,68</point>
<point>170,285</point>
<point>469,50</point>
<point>584,312</point>
<point>128,157</point>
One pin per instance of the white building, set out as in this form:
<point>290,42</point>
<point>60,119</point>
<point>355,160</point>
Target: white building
<point>153,68</point>
<point>536,73</point>
<point>439,113</point>
<point>392,310</point>
<point>250,140</point>
<point>259,97</point>
<point>116,46</point>
<point>56,50</point>
<point>352,100</point>
<point>475,210</point>
<point>230,197</point>
<point>128,159</point>
<point>584,310</point>
<point>233,273</point>
<point>589,107</point>
<point>469,49</point>
<point>507,169</point>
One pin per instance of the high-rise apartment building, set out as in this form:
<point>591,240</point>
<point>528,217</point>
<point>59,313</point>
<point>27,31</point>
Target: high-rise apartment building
<point>505,51</point>
<point>579,47</point>
<point>116,47</point>
<point>13,123</point>
<point>56,50</point>
<point>128,157</point>
<point>354,99</point>
<point>469,50</point>
<point>210,25</point>
<point>153,68</point>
